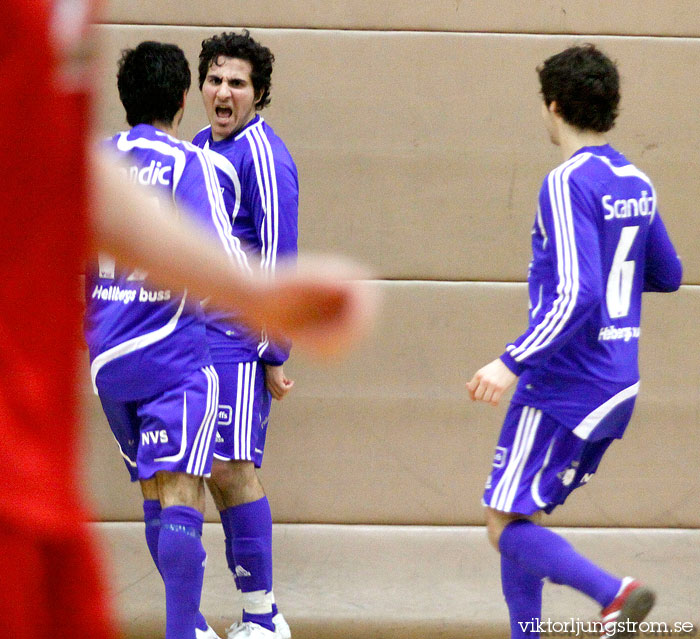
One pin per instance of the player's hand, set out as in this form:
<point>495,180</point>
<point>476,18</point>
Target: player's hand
<point>490,382</point>
<point>277,382</point>
<point>324,306</point>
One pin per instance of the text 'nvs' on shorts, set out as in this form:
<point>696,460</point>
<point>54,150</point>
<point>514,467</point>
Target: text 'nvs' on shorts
<point>173,431</point>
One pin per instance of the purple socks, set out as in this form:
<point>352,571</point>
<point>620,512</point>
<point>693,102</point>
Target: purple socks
<point>523,593</point>
<point>248,530</point>
<point>543,553</point>
<point>173,537</point>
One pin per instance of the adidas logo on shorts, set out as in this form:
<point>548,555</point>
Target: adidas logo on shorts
<point>241,572</point>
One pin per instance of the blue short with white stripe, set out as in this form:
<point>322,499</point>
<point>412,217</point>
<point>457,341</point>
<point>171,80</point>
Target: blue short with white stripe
<point>244,411</point>
<point>173,431</point>
<point>538,463</point>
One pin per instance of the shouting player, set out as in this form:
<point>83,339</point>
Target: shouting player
<point>149,358</point>
<point>261,191</point>
<point>598,242</point>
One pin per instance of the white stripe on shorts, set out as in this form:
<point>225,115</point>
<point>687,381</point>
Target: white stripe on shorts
<point>203,440</point>
<point>251,398</point>
<point>535,488</point>
<point>504,494</point>
<point>126,458</point>
<point>245,397</point>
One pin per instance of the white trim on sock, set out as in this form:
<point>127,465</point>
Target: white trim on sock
<point>258,602</point>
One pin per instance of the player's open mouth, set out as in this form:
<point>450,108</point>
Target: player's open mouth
<point>224,112</point>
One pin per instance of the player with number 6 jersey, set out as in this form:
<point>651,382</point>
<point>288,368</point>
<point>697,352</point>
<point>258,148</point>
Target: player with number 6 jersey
<point>598,243</point>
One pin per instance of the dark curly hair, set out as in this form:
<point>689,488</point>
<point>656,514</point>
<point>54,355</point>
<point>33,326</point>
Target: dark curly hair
<point>240,45</point>
<point>151,80</point>
<point>585,84</point>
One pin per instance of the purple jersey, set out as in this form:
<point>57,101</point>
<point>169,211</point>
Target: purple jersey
<point>261,192</point>
<point>598,242</point>
<point>142,338</point>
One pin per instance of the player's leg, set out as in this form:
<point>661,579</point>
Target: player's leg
<point>538,464</point>
<point>181,555</point>
<point>240,498</point>
<point>522,590</point>
<point>176,448</point>
<point>151,518</point>
<point>125,422</point>
<point>545,554</point>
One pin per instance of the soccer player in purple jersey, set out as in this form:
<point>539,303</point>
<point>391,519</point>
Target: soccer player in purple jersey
<point>150,363</point>
<point>261,191</point>
<point>598,242</point>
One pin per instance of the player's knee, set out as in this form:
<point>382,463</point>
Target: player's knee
<point>179,489</point>
<point>494,528</point>
<point>232,477</point>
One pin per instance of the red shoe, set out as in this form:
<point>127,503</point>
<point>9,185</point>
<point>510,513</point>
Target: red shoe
<point>630,606</point>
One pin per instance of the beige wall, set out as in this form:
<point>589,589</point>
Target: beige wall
<point>421,152</point>
<point>632,17</point>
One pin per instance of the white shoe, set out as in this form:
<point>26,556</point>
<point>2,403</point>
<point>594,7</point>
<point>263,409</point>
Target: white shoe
<point>248,629</point>
<point>281,626</point>
<point>209,633</point>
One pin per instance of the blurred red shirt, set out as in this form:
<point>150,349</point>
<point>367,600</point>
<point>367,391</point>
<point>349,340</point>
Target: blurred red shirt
<point>44,115</point>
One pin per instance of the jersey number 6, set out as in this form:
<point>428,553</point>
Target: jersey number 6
<point>619,289</point>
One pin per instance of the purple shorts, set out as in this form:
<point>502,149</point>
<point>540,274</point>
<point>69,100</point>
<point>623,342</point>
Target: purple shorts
<point>538,463</point>
<point>173,431</point>
<point>244,411</point>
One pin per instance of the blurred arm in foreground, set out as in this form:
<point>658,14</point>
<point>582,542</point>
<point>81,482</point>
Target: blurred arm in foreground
<point>323,305</point>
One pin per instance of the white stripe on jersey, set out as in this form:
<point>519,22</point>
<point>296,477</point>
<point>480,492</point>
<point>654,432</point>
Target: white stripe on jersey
<point>629,170</point>
<point>543,230</point>
<point>263,160</point>
<point>204,439</point>
<point>591,421</point>
<point>273,223</point>
<point>505,492</point>
<point>264,343</point>
<point>134,344</point>
<point>219,217</point>
<point>567,262</point>
<point>222,163</point>
<point>539,304</point>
